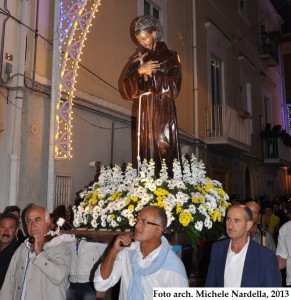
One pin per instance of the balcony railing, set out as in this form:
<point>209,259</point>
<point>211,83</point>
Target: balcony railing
<point>276,152</point>
<point>225,125</point>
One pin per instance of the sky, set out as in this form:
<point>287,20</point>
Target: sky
<point>284,9</point>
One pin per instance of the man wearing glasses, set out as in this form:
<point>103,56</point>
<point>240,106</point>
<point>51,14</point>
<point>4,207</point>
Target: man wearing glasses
<point>146,263</point>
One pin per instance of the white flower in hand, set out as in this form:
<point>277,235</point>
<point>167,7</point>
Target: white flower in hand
<point>60,222</point>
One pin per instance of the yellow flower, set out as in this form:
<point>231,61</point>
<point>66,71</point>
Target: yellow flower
<point>178,208</point>
<point>134,198</point>
<point>127,201</point>
<point>161,192</point>
<point>159,198</point>
<point>195,199</point>
<point>92,201</point>
<point>216,216</point>
<point>185,218</point>
<point>159,204</point>
<point>115,196</point>
<point>223,204</point>
<point>131,207</point>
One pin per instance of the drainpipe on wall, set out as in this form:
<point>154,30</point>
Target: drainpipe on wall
<point>54,101</point>
<point>35,43</point>
<point>195,79</point>
<point>17,122</point>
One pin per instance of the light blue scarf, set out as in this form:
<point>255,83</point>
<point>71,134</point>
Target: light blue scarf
<point>164,260</point>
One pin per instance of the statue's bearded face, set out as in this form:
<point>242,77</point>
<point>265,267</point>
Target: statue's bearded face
<point>146,39</point>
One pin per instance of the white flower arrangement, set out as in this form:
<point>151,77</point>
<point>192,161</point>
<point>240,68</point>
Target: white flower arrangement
<point>193,202</point>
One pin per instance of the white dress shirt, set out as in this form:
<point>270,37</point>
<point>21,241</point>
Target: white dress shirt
<point>234,266</point>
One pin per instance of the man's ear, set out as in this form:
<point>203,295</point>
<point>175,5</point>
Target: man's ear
<point>159,230</point>
<point>249,225</point>
<point>49,221</point>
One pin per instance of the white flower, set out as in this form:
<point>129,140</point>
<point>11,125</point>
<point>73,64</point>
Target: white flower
<point>76,223</point>
<point>199,225</point>
<point>182,198</point>
<point>159,182</point>
<point>119,196</point>
<point>83,194</point>
<point>139,207</point>
<point>192,209</point>
<point>131,221</point>
<point>101,203</point>
<point>94,223</point>
<point>208,223</point>
<point>202,210</point>
<point>113,223</point>
<point>126,213</point>
<point>151,186</point>
<point>61,222</point>
<point>80,209</point>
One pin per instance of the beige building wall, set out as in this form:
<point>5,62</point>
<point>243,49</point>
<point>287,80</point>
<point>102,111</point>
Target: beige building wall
<point>104,121</point>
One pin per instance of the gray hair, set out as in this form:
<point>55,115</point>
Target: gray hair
<point>46,212</point>
<point>248,212</point>
<point>160,215</point>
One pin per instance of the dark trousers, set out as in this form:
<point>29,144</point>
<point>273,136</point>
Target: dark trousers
<point>81,291</point>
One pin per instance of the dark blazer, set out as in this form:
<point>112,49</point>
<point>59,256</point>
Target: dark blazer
<point>260,268</point>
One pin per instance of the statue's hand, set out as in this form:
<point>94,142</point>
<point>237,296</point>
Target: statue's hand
<point>149,67</point>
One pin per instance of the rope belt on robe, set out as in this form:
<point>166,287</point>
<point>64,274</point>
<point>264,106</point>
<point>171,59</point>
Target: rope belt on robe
<point>138,131</point>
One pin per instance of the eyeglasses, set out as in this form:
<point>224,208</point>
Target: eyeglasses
<point>145,222</point>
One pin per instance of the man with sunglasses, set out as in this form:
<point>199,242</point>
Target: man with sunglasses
<point>146,263</point>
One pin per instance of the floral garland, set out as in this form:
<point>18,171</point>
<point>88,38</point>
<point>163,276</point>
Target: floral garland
<point>193,202</point>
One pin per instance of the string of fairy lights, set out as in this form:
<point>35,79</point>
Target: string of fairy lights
<point>75,22</point>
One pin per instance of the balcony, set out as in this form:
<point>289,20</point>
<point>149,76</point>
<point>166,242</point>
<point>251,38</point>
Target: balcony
<point>228,128</point>
<point>269,48</point>
<point>275,152</point>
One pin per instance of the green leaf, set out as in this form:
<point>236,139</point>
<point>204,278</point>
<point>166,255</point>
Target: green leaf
<point>194,238</point>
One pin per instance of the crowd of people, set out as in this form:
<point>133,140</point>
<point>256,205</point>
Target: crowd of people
<point>252,252</point>
<point>65,267</point>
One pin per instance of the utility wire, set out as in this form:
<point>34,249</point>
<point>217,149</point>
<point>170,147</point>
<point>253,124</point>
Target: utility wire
<point>260,22</point>
<point>101,79</point>
<point>97,126</point>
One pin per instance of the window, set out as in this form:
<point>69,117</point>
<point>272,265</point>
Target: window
<point>156,8</point>
<point>151,9</point>
<point>246,71</point>
<point>243,9</point>
<point>63,187</point>
<point>217,46</point>
<point>267,111</point>
<point>216,80</point>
